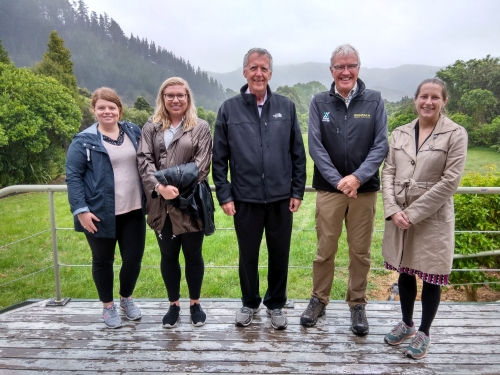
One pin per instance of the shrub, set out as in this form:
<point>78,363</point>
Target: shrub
<point>477,212</point>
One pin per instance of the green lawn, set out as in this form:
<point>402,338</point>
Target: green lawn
<point>25,218</point>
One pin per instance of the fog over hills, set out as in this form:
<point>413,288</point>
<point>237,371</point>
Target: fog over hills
<point>393,83</point>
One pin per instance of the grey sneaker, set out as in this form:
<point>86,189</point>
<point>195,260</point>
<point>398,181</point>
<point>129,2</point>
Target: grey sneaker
<point>244,316</point>
<point>399,333</point>
<point>314,310</point>
<point>418,346</point>
<point>359,323</point>
<point>278,318</point>
<point>131,310</point>
<point>111,317</point>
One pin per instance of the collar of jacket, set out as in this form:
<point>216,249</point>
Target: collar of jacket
<point>250,98</point>
<point>361,88</point>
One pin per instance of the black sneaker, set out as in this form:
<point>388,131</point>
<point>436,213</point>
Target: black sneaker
<point>314,310</point>
<point>172,318</point>
<point>198,316</point>
<point>359,323</point>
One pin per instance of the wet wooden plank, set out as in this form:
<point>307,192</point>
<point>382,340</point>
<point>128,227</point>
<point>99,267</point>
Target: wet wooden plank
<point>72,339</point>
<point>163,366</point>
<point>242,346</point>
<point>245,337</point>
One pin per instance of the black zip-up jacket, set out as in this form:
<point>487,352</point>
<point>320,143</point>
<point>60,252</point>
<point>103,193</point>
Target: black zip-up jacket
<point>265,154</point>
<point>347,140</point>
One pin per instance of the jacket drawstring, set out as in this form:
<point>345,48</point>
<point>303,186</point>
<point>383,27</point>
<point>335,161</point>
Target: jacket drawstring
<point>88,154</point>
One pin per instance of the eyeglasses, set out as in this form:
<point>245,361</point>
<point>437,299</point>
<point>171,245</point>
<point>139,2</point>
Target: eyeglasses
<point>180,97</point>
<point>340,68</point>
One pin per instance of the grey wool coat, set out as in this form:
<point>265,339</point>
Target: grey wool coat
<point>422,185</point>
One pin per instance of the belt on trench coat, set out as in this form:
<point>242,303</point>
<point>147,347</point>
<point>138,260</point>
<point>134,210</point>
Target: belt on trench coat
<point>410,187</point>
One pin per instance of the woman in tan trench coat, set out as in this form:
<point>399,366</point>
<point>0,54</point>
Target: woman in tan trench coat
<point>420,175</point>
<point>172,137</point>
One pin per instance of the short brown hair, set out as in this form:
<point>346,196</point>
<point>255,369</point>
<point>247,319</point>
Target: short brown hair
<point>105,93</point>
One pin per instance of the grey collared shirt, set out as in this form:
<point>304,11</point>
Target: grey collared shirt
<point>350,96</point>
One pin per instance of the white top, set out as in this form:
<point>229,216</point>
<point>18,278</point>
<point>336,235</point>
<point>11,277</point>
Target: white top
<point>126,174</point>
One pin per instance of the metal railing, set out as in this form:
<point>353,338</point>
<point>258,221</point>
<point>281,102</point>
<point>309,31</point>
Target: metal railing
<point>51,189</point>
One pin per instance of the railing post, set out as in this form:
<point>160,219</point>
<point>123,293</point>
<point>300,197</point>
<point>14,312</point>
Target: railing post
<point>58,301</point>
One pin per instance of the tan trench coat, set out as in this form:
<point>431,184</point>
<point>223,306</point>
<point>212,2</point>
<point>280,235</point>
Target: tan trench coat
<point>422,185</point>
<point>195,146</point>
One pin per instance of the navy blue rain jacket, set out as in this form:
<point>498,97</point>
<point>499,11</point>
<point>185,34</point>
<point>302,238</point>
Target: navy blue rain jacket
<point>90,178</point>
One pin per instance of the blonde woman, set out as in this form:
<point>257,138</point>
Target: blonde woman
<point>174,136</point>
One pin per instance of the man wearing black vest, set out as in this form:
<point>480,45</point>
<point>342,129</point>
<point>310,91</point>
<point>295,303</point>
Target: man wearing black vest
<point>347,142</point>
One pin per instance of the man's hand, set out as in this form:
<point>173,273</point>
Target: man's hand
<point>401,220</point>
<point>168,191</point>
<point>228,208</point>
<point>294,204</point>
<point>349,185</point>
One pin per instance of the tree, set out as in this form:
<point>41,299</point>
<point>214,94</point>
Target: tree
<point>208,116</point>
<point>141,104</point>
<point>56,63</point>
<point>308,90</point>
<point>4,56</point>
<point>462,77</point>
<point>292,94</point>
<point>38,117</point>
<point>137,116</point>
<point>401,113</point>
<point>478,104</point>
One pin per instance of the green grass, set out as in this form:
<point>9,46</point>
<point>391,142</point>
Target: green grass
<point>25,218</point>
<point>482,159</point>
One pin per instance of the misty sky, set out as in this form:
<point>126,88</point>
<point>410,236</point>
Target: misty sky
<point>215,34</point>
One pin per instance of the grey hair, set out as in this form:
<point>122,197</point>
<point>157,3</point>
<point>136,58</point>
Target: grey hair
<point>260,52</point>
<point>344,50</point>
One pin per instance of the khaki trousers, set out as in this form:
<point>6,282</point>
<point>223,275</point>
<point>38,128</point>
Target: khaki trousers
<point>359,215</point>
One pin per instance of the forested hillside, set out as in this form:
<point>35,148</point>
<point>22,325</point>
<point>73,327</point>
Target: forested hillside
<point>102,54</point>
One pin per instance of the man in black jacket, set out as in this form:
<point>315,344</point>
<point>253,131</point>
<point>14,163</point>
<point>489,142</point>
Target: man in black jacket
<point>257,138</point>
<point>347,142</point>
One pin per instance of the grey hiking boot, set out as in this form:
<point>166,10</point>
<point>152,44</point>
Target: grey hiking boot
<point>359,323</point>
<point>244,316</point>
<point>313,311</point>
<point>418,346</point>
<point>399,333</point>
<point>278,318</point>
<point>131,310</point>
<point>111,317</point>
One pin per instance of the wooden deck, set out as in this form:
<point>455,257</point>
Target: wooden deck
<point>72,339</point>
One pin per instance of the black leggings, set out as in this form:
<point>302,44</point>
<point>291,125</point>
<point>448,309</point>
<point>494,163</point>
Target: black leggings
<point>170,248</point>
<point>130,235</point>
<point>431,296</point>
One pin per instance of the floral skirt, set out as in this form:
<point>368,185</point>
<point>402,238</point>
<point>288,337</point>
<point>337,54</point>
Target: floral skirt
<point>427,277</point>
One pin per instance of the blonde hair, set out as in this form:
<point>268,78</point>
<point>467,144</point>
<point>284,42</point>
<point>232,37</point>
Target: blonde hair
<point>161,114</point>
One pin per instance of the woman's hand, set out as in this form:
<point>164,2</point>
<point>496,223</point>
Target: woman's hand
<point>401,220</point>
<point>87,219</point>
<point>168,191</point>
